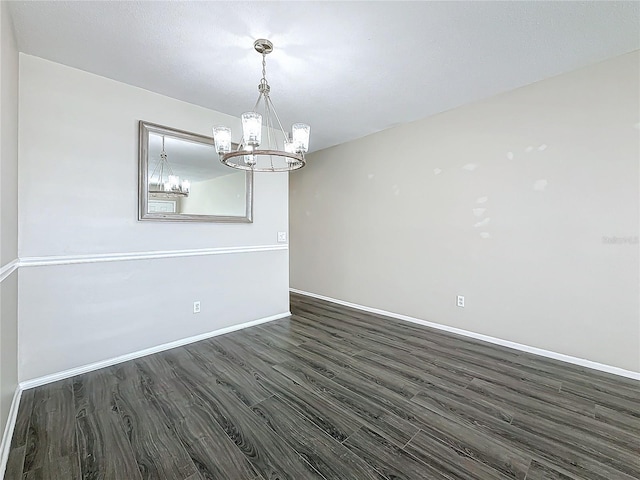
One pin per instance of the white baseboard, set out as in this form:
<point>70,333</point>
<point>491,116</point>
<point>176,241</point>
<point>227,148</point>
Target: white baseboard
<point>5,446</point>
<point>54,377</point>
<point>498,341</point>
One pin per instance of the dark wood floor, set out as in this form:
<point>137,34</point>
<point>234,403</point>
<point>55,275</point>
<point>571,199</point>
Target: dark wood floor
<point>332,393</point>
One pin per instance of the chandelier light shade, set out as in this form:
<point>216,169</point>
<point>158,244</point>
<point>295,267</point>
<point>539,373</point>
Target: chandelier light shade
<point>169,186</point>
<point>281,151</point>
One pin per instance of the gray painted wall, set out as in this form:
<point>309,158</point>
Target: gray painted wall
<point>8,211</point>
<point>513,202</point>
<point>78,196</point>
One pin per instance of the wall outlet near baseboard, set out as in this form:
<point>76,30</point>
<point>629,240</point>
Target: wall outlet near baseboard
<point>282,237</point>
<point>460,301</point>
<point>196,307</point>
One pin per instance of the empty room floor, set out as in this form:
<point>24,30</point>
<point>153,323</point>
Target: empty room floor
<point>331,393</point>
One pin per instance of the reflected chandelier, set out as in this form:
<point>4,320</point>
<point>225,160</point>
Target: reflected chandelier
<point>282,151</point>
<point>172,186</point>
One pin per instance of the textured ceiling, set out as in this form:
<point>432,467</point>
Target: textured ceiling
<point>347,68</point>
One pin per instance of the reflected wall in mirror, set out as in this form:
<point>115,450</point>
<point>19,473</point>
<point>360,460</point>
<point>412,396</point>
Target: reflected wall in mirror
<point>181,179</point>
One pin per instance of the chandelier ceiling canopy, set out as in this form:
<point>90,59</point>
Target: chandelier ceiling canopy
<point>280,151</point>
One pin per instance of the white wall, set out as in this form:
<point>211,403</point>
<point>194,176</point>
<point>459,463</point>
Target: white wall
<point>78,196</point>
<point>388,221</point>
<point>8,212</point>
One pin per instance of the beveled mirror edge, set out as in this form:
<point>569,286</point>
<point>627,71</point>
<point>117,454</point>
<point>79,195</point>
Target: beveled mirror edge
<point>144,128</point>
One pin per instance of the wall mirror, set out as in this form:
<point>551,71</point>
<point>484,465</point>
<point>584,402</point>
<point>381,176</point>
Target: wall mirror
<point>181,180</point>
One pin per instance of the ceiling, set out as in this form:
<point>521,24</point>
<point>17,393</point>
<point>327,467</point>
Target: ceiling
<point>348,69</point>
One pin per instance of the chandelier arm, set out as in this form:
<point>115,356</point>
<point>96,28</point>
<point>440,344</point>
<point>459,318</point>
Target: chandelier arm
<point>269,123</point>
<point>164,161</point>
<point>169,169</point>
<point>275,114</point>
<point>158,165</point>
<point>269,130</point>
<point>255,107</point>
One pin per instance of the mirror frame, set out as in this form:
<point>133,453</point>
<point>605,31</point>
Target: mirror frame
<point>145,128</point>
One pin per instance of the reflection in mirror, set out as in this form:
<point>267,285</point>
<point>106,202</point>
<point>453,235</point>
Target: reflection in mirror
<point>181,179</point>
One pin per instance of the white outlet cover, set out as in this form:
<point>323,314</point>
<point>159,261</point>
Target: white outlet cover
<point>196,307</point>
<point>282,237</point>
<point>460,301</point>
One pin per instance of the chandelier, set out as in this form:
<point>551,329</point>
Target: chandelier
<point>281,152</point>
<point>172,186</point>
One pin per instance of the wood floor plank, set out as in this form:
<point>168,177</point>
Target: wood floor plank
<point>232,345</point>
<point>621,404</point>
<point>446,459</point>
<point>371,372</point>
<point>560,400</point>
<point>23,419</point>
<point>566,371</point>
<point>389,459</point>
<point>328,416</point>
<point>236,379</point>
<point>329,457</point>
<point>621,420</point>
<point>304,333</point>
<point>105,451</point>
<point>550,449</point>
<point>367,410</point>
<point>415,371</point>
<point>443,394</point>
<point>51,432</point>
<point>96,390</point>
<point>614,456</point>
<point>506,367</point>
<point>157,450</point>
<point>539,471</point>
<point>480,445</point>
<point>476,370</point>
<point>281,335</point>
<point>55,469</point>
<point>198,431</point>
<point>268,453</point>
<point>538,408</point>
<point>266,344</point>
<point>15,463</point>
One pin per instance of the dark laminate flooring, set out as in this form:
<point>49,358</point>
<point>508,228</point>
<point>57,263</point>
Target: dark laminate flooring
<point>332,393</point>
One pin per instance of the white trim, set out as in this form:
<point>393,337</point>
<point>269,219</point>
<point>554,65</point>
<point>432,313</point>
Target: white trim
<point>8,269</point>
<point>54,377</point>
<point>498,341</point>
<point>121,257</point>
<point>5,446</point>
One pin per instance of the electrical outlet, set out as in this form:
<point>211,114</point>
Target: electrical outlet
<point>460,301</point>
<point>282,237</point>
<point>196,307</point>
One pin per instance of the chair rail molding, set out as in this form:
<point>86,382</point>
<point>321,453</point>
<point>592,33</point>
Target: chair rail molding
<point>8,269</point>
<point>153,254</point>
